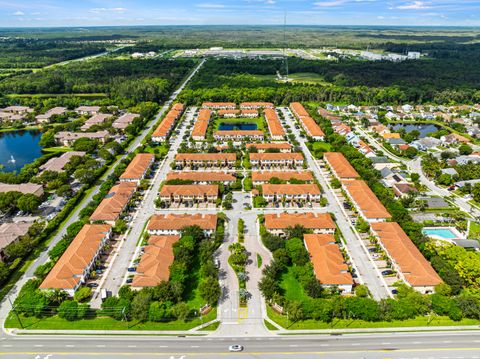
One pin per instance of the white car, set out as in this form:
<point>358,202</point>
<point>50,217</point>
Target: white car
<point>235,348</point>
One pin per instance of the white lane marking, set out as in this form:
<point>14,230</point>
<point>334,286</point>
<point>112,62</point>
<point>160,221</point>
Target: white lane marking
<point>355,344</point>
<point>132,346</point>
<point>324,345</point>
<point>163,346</point>
<point>38,345</point>
<point>101,346</point>
<point>293,345</point>
<point>7,345</point>
<point>194,346</point>
<point>70,346</point>
<point>386,343</point>
<point>447,341</point>
<point>417,342</point>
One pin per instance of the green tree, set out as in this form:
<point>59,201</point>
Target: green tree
<point>68,310</point>
<point>82,294</point>
<point>141,305</point>
<point>180,311</point>
<point>210,290</point>
<point>28,203</point>
<point>465,149</point>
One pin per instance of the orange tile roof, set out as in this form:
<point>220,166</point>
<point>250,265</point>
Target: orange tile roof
<point>297,156</point>
<point>367,202</point>
<point>205,156</point>
<point>138,166</point>
<point>327,259</point>
<point>388,135</point>
<point>154,266</point>
<point>256,105</point>
<point>265,146</point>
<point>307,220</point>
<point>249,112</point>
<point>189,190</point>
<point>415,268</point>
<point>328,115</point>
<point>273,122</point>
<point>68,271</point>
<point>340,165</point>
<point>298,109</point>
<point>114,202</point>
<point>201,125</point>
<point>227,112</point>
<point>202,176</point>
<point>265,176</point>
<point>290,189</point>
<point>169,121</point>
<point>313,128</point>
<point>178,221</point>
<point>216,105</point>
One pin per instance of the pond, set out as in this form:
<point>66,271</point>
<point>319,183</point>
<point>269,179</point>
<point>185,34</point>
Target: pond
<point>18,148</point>
<point>242,126</point>
<point>423,129</point>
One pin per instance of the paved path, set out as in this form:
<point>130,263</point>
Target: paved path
<point>366,269</point>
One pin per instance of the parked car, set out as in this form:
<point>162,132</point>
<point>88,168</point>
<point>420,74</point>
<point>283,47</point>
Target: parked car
<point>387,272</point>
<point>92,285</point>
<point>131,269</point>
<point>129,280</point>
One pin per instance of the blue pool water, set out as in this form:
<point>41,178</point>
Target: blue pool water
<point>444,233</point>
<point>242,126</point>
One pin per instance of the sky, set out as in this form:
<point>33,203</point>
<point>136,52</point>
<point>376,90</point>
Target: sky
<point>41,13</point>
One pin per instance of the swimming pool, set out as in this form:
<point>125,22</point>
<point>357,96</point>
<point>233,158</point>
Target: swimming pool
<point>442,233</point>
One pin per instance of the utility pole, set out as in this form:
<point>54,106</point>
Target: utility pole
<point>16,313</point>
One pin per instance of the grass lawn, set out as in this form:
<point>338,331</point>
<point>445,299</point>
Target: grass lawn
<point>351,323</point>
<point>321,146</point>
<point>269,325</point>
<point>103,323</point>
<point>474,230</point>
<point>293,288</point>
<point>212,327</point>
<point>259,121</point>
<point>161,150</point>
<point>307,77</point>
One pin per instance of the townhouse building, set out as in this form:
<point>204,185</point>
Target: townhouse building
<point>206,160</point>
<point>303,193</point>
<point>238,135</point>
<point>277,160</point>
<point>263,177</point>
<point>275,128</point>
<point>67,139</point>
<point>203,177</point>
<point>172,224</point>
<point>339,165</point>
<point>283,147</point>
<point>318,223</point>
<point>138,168</point>
<point>201,125</point>
<point>189,193</point>
<point>114,203</point>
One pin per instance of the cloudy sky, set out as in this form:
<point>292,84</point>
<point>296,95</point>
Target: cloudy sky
<point>20,13</point>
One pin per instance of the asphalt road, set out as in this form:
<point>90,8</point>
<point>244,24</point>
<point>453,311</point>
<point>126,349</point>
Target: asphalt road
<point>391,345</point>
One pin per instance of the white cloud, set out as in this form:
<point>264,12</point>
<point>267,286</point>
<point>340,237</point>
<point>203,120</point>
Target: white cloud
<point>331,3</point>
<point>210,6</point>
<point>117,10</point>
<point>270,2</point>
<point>416,5</point>
<point>18,13</point>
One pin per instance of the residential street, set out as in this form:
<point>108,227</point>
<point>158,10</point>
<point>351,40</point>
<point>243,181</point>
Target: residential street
<point>368,273</point>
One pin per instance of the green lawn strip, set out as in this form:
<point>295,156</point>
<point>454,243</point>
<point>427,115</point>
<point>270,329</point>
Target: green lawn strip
<point>47,95</point>
<point>474,230</point>
<point>269,325</point>
<point>259,260</point>
<point>293,288</point>
<point>212,327</point>
<point>102,323</point>
<point>307,77</point>
<point>26,128</point>
<point>353,323</point>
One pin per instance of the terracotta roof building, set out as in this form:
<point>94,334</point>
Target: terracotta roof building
<point>163,130</point>
<point>341,168</point>
<point>172,224</point>
<point>291,192</point>
<point>255,105</point>
<point>368,205</point>
<point>280,160</point>
<point>219,105</point>
<point>189,193</point>
<point>262,177</point>
<point>217,160</point>
<point>238,135</point>
<point>328,262</point>
<point>406,259</point>
<point>319,223</point>
<point>202,177</point>
<point>138,168</point>
<point>114,203</point>
<point>201,125</point>
<point>154,266</point>
<point>309,125</point>
<point>262,147</point>
<point>274,125</point>
<point>74,266</point>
